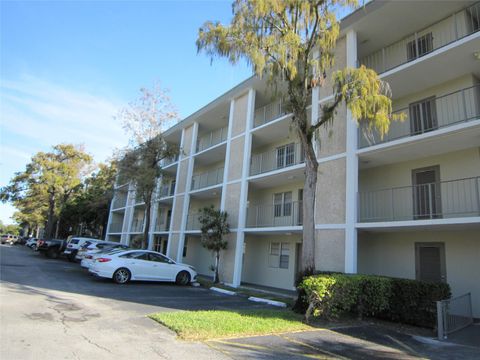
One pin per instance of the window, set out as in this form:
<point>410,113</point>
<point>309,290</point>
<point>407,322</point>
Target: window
<point>158,258</point>
<point>279,255</point>
<point>185,247</point>
<point>285,155</point>
<point>424,45</point>
<point>423,116</point>
<point>136,255</point>
<point>282,204</point>
<point>172,188</point>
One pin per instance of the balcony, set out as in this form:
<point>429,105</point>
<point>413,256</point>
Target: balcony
<point>192,221</point>
<point>447,199</point>
<point>428,115</point>
<point>137,225</point>
<point>279,158</point>
<point>269,112</point>
<point>280,215</point>
<point>442,33</point>
<point>115,227</point>
<point>212,138</point>
<point>166,190</point>
<point>169,161</point>
<point>207,179</point>
<point>119,200</point>
<point>162,227</point>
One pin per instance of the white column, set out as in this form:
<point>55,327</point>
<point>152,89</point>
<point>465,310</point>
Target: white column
<point>352,172</point>
<point>227,155</point>
<point>186,198</point>
<point>128,217</point>
<point>177,176</point>
<point>242,214</point>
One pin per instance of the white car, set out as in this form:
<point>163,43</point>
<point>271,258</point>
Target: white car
<point>90,256</point>
<point>31,243</point>
<point>74,244</point>
<point>92,248</point>
<point>123,266</point>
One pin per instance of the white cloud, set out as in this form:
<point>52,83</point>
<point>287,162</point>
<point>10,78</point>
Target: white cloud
<point>49,114</point>
<point>36,114</point>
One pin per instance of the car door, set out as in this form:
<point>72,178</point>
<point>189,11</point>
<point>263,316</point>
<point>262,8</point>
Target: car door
<point>138,264</point>
<point>162,269</point>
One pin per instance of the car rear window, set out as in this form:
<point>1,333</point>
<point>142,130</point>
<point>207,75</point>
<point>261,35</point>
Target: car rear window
<point>74,241</point>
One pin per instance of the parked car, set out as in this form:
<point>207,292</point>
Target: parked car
<point>52,248</point>
<point>31,243</point>
<point>89,258</point>
<point>91,248</point>
<point>22,240</point>
<point>9,239</point>
<point>123,266</point>
<point>75,244</point>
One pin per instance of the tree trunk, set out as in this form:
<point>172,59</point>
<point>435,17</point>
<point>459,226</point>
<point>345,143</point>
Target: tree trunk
<point>50,217</point>
<point>146,230</point>
<point>57,228</point>
<point>216,278</point>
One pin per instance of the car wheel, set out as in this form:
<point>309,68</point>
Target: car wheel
<point>122,276</point>
<point>183,278</point>
<point>34,247</point>
<point>52,253</point>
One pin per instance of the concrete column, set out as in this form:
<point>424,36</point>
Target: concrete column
<point>186,199</point>
<point>242,214</point>
<point>351,192</point>
<point>128,217</point>
<point>170,230</point>
<point>227,155</point>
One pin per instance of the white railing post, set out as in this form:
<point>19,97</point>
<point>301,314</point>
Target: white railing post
<point>430,202</point>
<point>417,55</point>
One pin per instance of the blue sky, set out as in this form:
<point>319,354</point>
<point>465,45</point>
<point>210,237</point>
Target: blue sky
<point>67,67</point>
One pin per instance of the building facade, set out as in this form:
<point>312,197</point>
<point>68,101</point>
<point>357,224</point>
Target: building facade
<point>405,205</point>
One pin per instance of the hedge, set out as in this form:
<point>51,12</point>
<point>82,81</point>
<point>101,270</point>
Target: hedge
<point>401,300</point>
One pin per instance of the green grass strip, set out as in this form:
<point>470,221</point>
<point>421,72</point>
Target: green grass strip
<point>214,324</point>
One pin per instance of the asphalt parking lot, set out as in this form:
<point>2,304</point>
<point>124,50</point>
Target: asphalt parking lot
<point>52,309</point>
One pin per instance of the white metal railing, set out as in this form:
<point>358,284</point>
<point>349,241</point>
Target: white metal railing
<point>212,138</point>
<point>446,199</point>
<point>444,32</point>
<point>168,161</point>
<point>454,314</point>
<point>166,190</point>
<point>428,115</point>
<point>286,214</point>
<point>208,178</point>
<point>279,158</point>
<point>119,200</point>
<point>115,227</point>
<point>137,225</point>
<point>192,221</point>
<point>270,112</point>
<point>165,226</point>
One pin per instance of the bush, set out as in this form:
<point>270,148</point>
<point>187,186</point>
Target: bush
<point>402,300</point>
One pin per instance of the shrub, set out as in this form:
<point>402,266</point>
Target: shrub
<point>403,300</point>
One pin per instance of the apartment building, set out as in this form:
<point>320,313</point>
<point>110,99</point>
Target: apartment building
<point>405,205</point>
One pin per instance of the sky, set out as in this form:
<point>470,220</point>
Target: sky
<point>68,67</point>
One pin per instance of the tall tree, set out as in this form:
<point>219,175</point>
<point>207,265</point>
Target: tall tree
<point>292,42</point>
<point>50,178</point>
<point>214,228</point>
<point>145,120</point>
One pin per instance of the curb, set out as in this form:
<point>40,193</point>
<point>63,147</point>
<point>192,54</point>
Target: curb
<point>267,301</point>
<point>223,291</point>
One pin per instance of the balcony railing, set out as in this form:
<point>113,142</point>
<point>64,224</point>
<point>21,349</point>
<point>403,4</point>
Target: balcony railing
<point>119,200</point>
<point>115,227</point>
<point>269,112</point>
<point>279,158</point>
<point>137,225</point>
<point>212,138</point>
<point>166,190</point>
<point>192,221</point>
<point>428,115</point>
<point>286,214</point>
<point>162,227</point>
<point>446,199</point>
<point>168,161</point>
<point>206,179</point>
<point>418,44</point>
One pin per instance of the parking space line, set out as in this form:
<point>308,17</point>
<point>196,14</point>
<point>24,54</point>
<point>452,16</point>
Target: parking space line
<point>405,346</point>
<point>316,348</point>
<point>217,348</point>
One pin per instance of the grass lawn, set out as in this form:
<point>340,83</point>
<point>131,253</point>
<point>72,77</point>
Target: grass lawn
<point>211,324</point>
